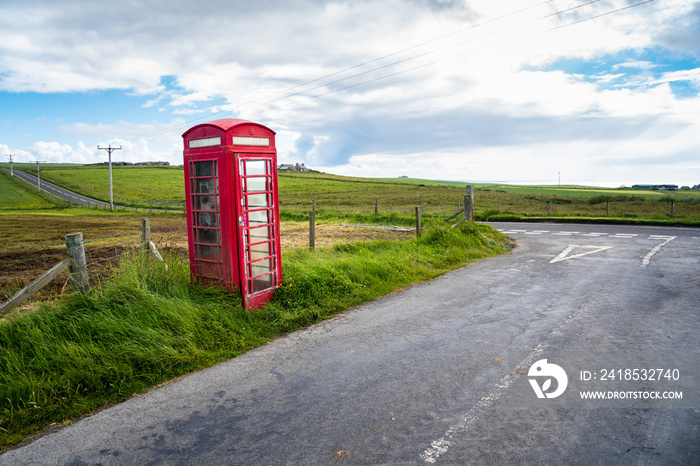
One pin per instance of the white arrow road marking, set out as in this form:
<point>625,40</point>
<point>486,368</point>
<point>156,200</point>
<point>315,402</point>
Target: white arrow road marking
<point>564,255</point>
<point>656,249</point>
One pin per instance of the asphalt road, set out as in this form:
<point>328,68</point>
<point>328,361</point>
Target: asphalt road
<point>64,194</point>
<point>446,372</point>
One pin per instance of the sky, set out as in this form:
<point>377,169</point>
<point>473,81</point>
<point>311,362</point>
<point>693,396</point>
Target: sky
<point>603,93</point>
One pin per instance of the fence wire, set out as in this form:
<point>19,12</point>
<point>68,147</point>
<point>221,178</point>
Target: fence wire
<point>20,266</point>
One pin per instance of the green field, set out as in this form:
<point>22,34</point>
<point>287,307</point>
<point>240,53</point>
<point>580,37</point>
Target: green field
<point>572,191</point>
<point>16,194</point>
<point>144,186</point>
<point>130,184</point>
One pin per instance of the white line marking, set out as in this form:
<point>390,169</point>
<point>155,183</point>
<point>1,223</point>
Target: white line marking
<point>441,445</point>
<point>564,254</point>
<point>660,236</point>
<point>656,249</point>
<point>595,234</point>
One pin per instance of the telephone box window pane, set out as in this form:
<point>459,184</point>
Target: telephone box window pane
<point>255,235</point>
<point>207,219</point>
<point>260,267</point>
<point>208,252</point>
<point>206,202</point>
<point>257,184</point>
<point>258,251</point>
<point>256,201</point>
<point>204,168</point>
<point>205,186</point>
<point>258,217</point>
<point>209,269</point>
<point>208,236</point>
<point>256,167</point>
<point>262,283</point>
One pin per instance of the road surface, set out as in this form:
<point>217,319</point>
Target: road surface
<point>446,372</point>
<point>57,191</point>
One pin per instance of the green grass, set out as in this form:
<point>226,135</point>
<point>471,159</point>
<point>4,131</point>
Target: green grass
<point>572,191</point>
<point>130,185</point>
<point>148,325</point>
<point>15,194</point>
<point>143,185</point>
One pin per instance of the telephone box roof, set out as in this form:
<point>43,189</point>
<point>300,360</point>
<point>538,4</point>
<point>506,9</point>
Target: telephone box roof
<point>226,124</point>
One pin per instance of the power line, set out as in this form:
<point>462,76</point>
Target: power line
<point>461,55</point>
<point>109,150</point>
<point>12,172</point>
<point>38,174</point>
<point>227,112</point>
<point>332,91</point>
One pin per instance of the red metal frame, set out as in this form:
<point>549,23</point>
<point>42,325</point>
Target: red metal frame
<point>233,207</point>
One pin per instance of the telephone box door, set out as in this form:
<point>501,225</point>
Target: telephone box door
<point>257,219</point>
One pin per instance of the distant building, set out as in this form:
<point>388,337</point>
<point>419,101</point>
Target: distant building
<point>299,167</point>
<point>119,164</point>
<point>666,187</point>
<point>157,164</point>
<point>403,176</point>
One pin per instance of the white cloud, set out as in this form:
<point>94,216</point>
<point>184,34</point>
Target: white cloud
<point>477,93</point>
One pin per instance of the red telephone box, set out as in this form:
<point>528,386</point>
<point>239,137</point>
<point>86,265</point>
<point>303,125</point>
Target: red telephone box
<point>233,225</point>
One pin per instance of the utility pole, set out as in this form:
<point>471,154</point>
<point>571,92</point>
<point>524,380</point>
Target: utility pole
<point>38,174</point>
<point>109,150</point>
<point>12,172</point>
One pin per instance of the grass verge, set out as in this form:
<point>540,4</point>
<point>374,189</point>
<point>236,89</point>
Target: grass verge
<point>16,194</point>
<point>148,324</point>
<point>656,220</point>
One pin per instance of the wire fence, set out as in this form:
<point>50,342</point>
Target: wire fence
<point>678,209</point>
<point>372,207</point>
<point>20,266</point>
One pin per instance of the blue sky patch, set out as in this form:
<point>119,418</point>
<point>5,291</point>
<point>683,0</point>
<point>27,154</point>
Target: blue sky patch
<point>631,69</point>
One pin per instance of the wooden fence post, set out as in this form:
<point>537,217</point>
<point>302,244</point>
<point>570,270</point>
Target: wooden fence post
<point>312,230</point>
<point>607,208</point>
<point>78,268</point>
<point>550,207</point>
<point>671,208</point>
<point>376,207</point>
<point>469,203</point>
<point>145,233</point>
<point>417,222</point>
